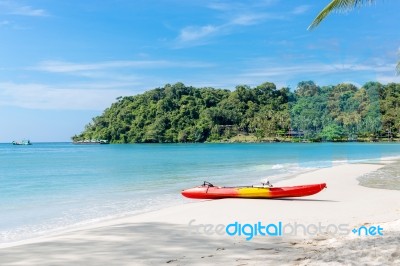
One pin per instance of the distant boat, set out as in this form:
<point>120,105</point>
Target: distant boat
<point>22,142</point>
<point>91,141</point>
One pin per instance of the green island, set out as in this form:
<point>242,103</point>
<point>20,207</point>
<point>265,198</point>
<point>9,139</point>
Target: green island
<point>178,113</point>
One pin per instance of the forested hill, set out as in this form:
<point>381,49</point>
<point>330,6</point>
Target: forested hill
<point>178,113</point>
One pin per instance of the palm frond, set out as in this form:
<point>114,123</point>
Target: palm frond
<point>339,6</point>
<point>398,68</point>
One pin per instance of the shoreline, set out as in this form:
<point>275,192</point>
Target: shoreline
<point>276,179</point>
<point>164,232</point>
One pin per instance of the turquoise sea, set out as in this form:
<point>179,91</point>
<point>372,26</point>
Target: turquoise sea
<point>48,187</point>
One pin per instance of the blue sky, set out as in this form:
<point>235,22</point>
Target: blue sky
<point>64,62</point>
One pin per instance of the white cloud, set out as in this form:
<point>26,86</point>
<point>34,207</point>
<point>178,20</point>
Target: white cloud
<point>4,23</point>
<point>265,2</point>
<point>248,19</point>
<point>40,96</point>
<point>64,67</point>
<point>257,71</point>
<point>316,68</point>
<point>198,35</point>
<point>301,9</point>
<point>192,33</point>
<point>69,67</point>
<point>29,11</point>
<point>384,79</point>
<point>270,67</point>
<point>90,86</point>
<point>220,6</point>
<point>240,6</point>
<point>14,8</point>
<point>230,15</point>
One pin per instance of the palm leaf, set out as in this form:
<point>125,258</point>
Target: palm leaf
<point>398,68</point>
<point>337,5</point>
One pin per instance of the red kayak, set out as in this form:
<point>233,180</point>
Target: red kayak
<point>209,191</point>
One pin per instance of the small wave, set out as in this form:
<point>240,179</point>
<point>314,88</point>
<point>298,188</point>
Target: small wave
<point>277,166</point>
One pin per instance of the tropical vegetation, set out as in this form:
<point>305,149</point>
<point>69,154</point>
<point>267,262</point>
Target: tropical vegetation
<point>179,113</point>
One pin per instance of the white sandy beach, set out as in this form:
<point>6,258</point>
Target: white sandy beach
<point>164,237</point>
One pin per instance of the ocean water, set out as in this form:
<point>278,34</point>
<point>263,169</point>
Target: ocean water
<point>48,187</point>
